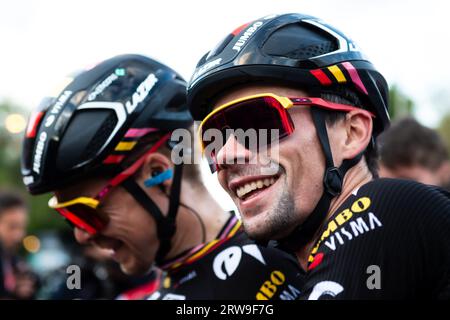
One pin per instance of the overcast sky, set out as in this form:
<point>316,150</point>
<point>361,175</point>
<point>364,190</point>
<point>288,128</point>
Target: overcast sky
<point>42,41</point>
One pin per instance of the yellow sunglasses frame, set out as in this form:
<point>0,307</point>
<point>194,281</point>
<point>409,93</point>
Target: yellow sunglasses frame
<point>284,101</point>
<point>90,202</point>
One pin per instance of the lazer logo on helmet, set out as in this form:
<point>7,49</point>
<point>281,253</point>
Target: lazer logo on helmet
<point>141,93</point>
<point>247,34</point>
<point>38,152</point>
<point>102,86</point>
<point>61,101</point>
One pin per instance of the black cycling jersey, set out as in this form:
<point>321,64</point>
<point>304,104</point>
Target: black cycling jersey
<point>389,240</point>
<point>231,267</point>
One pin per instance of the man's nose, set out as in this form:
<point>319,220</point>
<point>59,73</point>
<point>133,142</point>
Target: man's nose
<point>232,153</point>
<point>82,237</point>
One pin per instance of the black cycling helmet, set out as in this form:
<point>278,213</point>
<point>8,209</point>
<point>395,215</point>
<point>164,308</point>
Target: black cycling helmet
<point>295,49</point>
<point>302,51</point>
<point>74,134</point>
<point>100,119</point>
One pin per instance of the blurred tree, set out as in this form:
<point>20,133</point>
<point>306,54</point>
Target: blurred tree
<point>441,102</point>
<point>11,147</point>
<point>444,129</point>
<point>400,105</point>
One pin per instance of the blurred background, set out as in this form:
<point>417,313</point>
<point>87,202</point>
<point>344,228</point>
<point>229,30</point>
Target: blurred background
<point>42,41</point>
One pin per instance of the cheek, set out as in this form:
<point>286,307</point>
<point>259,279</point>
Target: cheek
<point>143,227</point>
<point>300,153</point>
<point>129,223</point>
<point>302,158</point>
<point>137,231</point>
<point>142,231</point>
<point>18,233</point>
<point>221,177</point>
<point>303,162</point>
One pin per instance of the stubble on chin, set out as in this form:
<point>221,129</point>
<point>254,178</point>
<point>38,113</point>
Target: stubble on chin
<point>278,222</point>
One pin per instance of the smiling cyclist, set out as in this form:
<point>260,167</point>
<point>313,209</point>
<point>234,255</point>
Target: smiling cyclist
<point>103,146</point>
<point>357,236</point>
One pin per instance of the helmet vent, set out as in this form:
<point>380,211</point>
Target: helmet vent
<point>300,42</point>
<point>85,137</point>
<point>100,138</point>
<point>311,51</point>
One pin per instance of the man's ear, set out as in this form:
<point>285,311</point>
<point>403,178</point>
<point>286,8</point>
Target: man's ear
<point>155,164</point>
<point>358,127</point>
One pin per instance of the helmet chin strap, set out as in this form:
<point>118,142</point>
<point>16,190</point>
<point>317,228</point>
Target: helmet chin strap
<point>332,183</point>
<point>165,225</point>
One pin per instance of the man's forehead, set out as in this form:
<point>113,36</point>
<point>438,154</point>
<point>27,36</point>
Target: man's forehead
<point>13,212</point>
<point>238,92</point>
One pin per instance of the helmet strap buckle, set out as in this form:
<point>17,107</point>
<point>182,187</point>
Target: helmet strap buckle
<point>333,181</point>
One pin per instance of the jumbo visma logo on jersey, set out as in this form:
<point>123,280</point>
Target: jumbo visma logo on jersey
<point>345,226</point>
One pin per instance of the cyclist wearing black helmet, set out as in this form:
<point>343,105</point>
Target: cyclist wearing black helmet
<point>103,146</point>
<point>356,236</point>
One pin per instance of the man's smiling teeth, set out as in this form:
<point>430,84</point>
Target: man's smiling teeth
<point>251,186</point>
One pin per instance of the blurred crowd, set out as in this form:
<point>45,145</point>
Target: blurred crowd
<point>408,150</point>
